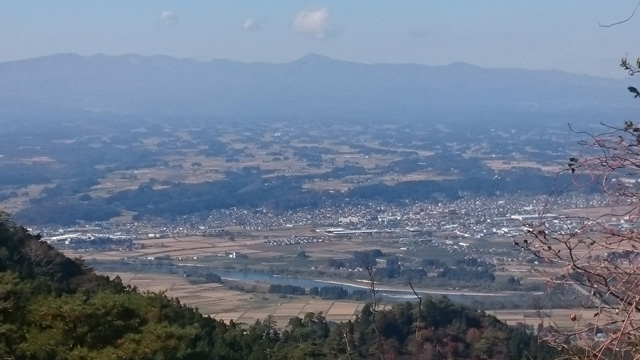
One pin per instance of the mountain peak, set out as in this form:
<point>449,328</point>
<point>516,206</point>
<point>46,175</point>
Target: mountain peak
<point>312,86</point>
<point>314,58</point>
<point>462,65</point>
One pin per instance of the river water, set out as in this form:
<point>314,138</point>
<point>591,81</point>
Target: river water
<point>394,293</point>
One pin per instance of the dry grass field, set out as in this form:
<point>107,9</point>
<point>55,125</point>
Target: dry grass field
<point>182,248</point>
<point>201,248</point>
<point>344,184</point>
<point>208,298</point>
<point>16,203</point>
<point>603,212</point>
<point>224,304</point>
<point>221,303</point>
<point>560,318</point>
<point>416,176</point>
<point>528,317</point>
<point>510,164</point>
<point>181,162</point>
<point>333,310</point>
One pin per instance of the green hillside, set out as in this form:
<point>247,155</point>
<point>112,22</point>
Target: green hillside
<point>52,307</point>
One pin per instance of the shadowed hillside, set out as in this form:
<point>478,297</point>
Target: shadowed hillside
<point>53,307</point>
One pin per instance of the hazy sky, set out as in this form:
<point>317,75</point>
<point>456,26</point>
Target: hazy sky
<point>533,34</point>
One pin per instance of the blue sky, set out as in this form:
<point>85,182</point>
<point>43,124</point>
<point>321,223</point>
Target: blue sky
<point>541,34</point>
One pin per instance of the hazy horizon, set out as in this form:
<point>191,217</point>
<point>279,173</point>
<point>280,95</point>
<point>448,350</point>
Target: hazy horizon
<point>544,35</point>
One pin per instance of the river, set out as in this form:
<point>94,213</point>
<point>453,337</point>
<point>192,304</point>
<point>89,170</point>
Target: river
<point>387,292</point>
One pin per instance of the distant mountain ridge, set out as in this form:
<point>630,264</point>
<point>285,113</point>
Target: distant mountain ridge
<point>313,86</point>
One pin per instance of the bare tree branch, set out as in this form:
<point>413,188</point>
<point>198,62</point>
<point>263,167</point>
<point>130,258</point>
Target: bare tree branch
<point>419,322</point>
<point>598,255</point>
<point>374,292</point>
<point>623,21</point>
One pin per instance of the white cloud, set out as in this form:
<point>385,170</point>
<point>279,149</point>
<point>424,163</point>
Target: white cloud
<point>168,17</point>
<point>251,24</point>
<point>312,21</point>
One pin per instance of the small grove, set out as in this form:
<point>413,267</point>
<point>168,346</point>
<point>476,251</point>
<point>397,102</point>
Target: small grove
<point>53,307</point>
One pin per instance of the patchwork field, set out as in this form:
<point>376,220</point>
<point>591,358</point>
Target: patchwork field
<point>221,303</point>
<point>560,318</point>
<point>337,311</point>
<point>182,248</point>
<point>186,163</point>
<point>506,165</point>
<point>208,298</point>
<point>212,248</point>
<point>604,212</point>
<point>24,194</point>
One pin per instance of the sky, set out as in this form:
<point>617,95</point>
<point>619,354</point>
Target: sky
<point>543,34</point>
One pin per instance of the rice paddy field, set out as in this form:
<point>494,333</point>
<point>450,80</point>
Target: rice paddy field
<point>219,302</point>
<point>224,304</point>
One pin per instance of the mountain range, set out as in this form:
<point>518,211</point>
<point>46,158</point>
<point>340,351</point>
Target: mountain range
<point>313,87</point>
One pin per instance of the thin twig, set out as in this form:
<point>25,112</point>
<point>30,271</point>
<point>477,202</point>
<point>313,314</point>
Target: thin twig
<point>623,21</point>
<point>372,286</point>
<point>419,322</point>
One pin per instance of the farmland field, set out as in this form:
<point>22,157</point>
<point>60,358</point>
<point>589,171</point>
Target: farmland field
<point>221,303</point>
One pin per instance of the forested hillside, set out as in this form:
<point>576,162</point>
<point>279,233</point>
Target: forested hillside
<point>52,307</point>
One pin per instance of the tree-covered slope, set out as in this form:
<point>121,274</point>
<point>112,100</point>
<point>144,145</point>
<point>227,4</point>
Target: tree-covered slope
<point>52,307</point>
